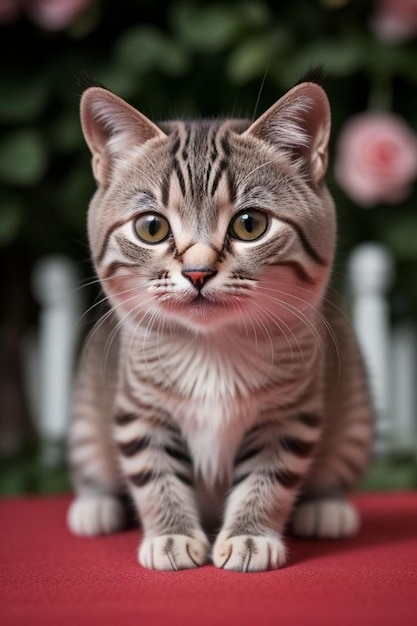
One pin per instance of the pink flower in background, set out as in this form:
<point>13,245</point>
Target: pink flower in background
<point>48,14</point>
<point>376,158</point>
<point>395,20</point>
<point>55,14</point>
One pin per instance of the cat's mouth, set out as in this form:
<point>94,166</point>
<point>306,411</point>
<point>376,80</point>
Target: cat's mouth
<point>201,300</point>
<point>201,306</point>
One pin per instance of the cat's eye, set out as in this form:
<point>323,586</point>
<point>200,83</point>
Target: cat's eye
<point>151,228</point>
<point>249,225</point>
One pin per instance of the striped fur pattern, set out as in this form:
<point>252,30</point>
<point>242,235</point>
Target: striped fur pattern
<point>223,390</point>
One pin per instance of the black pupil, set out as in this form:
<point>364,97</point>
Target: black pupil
<point>153,225</point>
<point>248,223</point>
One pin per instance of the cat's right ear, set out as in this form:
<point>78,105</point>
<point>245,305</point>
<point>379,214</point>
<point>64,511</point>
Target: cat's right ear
<point>111,126</point>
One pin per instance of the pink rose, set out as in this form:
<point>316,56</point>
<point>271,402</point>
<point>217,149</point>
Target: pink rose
<point>48,14</point>
<point>55,14</point>
<point>395,20</point>
<point>376,158</point>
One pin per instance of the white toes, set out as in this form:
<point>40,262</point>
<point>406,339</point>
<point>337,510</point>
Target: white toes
<point>174,552</point>
<point>95,515</point>
<point>326,519</point>
<point>248,553</point>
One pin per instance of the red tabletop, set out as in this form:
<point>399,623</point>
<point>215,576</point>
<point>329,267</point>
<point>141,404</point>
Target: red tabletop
<point>50,577</point>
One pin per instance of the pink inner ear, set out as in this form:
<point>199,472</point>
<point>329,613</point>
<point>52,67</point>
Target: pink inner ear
<point>299,123</point>
<point>111,125</point>
<point>104,116</point>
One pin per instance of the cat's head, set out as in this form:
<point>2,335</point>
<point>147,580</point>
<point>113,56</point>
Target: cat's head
<point>210,223</point>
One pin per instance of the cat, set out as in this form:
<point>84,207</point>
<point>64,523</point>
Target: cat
<point>223,391</point>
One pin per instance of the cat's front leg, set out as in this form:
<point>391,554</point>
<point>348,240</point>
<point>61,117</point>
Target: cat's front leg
<point>159,474</point>
<point>269,471</point>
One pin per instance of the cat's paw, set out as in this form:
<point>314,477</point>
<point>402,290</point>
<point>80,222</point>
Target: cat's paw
<point>96,515</point>
<point>326,519</point>
<point>174,552</point>
<point>248,553</point>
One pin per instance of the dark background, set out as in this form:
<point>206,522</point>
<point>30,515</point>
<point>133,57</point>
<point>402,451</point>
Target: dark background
<point>180,58</point>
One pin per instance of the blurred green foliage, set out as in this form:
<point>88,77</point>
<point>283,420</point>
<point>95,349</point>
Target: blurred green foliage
<point>187,58</point>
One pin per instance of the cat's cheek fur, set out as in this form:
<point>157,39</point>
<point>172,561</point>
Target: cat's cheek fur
<point>284,296</point>
<point>126,296</point>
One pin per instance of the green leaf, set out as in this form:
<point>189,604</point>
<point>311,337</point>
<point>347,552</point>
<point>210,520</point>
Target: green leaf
<point>23,98</point>
<point>76,191</point>
<point>251,58</point>
<point>206,28</point>
<point>144,48</point>
<point>66,132</point>
<point>384,59</point>
<point>255,14</point>
<point>120,78</point>
<point>11,218</point>
<point>23,157</point>
<point>340,57</point>
<point>400,235</point>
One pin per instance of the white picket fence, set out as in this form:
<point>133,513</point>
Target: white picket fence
<point>390,352</point>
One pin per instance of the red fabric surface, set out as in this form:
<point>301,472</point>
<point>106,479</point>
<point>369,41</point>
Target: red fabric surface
<point>50,577</point>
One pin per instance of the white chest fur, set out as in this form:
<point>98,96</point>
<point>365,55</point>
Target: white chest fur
<point>213,387</point>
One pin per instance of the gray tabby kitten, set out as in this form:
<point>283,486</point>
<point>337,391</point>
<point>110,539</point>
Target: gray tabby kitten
<point>224,389</point>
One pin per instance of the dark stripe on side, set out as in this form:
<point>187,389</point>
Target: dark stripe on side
<point>180,176</point>
<point>186,480</point>
<point>308,248</point>
<point>122,419</point>
<point>299,271</point>
<point>309,419</point>
<point>218,175</point>
<point>259,427</point>
<point>141,479</point>
<point>226,146</point>
<point>133,447</point>
<point>149,195</point>
<point>107,236</point>
<point>286,478</point>
<point>249,454</point>
<point>231,184</point>
<point>297,446</point>
<point>214,153</point>
<point>223,163</point>
<point>184,153</point>
<point>179,455</point>
<point>165,185</point>
<point>176,144</point>
<point>239,479</point>
<point>190,178</point>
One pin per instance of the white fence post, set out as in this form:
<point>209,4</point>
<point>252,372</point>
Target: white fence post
<point>371,272</point>
<point>55,281</point>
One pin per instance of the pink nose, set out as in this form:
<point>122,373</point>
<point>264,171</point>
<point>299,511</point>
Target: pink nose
<point>199,277</point>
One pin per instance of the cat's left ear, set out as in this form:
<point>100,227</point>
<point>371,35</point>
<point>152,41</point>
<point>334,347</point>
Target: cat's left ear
<point>299,124</point>
<point>111,127</point>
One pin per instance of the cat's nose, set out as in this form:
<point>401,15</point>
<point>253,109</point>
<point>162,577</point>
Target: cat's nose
<point>199,276</point>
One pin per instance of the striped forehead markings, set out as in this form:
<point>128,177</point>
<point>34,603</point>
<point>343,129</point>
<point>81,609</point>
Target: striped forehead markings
<point>198,159</point>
